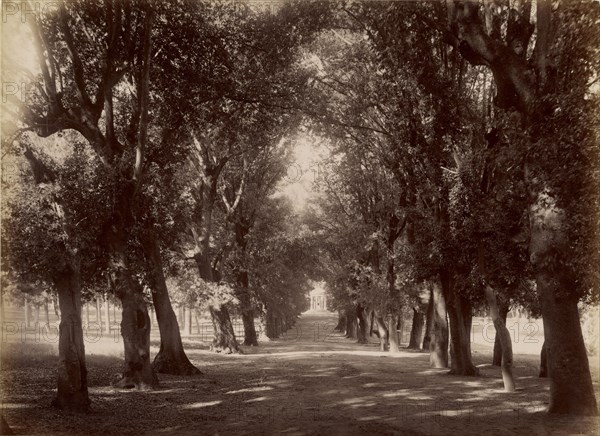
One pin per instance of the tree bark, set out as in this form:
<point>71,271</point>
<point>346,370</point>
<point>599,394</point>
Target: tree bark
<point>47,315</point>
<point>505,341</point>
<point>393,322</point>
<point>135,322</point>
<point>250,336</point>
<point>543,362</point>
<point>428,323</point>
<point>188,322</point>
<point>416,331</point>
<point>341,325</point>
<point>571,389</point>
<point>37,317</point>
<point>72,392</point>
<point>224,336</point>
<point>361,314</point>
<point>351,323</point>
<point>171,357</point>
<point>4,427</point>
<point>106,315</point>
<point>98,314</point>
<point>438,348</point>
<point>497,357</point>
<point>460,315</point>
<point>383,333</point>
<point>27,317</point>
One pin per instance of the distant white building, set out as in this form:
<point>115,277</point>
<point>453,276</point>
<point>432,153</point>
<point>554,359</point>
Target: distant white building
<point>318,299</point>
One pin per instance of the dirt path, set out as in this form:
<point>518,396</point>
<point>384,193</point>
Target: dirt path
<point>312,381</point>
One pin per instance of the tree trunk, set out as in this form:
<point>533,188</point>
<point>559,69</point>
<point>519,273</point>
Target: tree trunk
<point>384,333</point>
<point>243,294</point>
<point>351,323</point>
<point>98,314</point>
<point>341,325</point>
<point>171,358</point>
<point>543,362</point>
<point>505,341</point>
<point>416,332</point>
<point>47,315</point>
<point>438,348</point>
<point>266,333</point>
<point>135,322</point>
<point>106,315</point>
<point>188,322</point>
<point>393,322</point>
<point>4,427</point>
<point>72,392</point>
<point>37,317</point>
<point>571,389</point>
<point>361,314</point>
<point>428,323</point>
<point>250,337</point>
<point>497,358</point>
<point>224,335</point>
<point>460,315</point>
<point>27,318</point>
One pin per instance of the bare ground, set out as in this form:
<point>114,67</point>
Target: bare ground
<point>312,381</point>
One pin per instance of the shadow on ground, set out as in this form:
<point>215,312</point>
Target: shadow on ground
<point>311,381</point>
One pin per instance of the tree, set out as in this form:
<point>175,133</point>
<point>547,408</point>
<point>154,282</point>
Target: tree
<point>546,86</point>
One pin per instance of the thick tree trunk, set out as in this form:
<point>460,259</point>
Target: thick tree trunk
<point>135,322</point>
<point>361,314</point>
<point>72,392</point>
<point>250,337</point>
<point>242,228</point>
<point>383,333</point>
<point>4,427</point>
<point>428,323</point>
<point>543,362</point>
<point>571,389</point>
<point>171,357</point>
<point>416,332</point>
<point>243,294</point>
<point>505,341</point>
<point>263,327</point>
<point>341,325</point>
<point>497,357</point>
<point>460,315</point>
<point>438,348</point>
<point>394,321</point>
<point>351,323</point>
<point>224,336</point>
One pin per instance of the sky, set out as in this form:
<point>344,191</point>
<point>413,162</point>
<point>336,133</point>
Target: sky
<point>301,174</point>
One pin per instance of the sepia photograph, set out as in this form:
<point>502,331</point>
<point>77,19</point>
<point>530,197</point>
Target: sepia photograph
<point>300,217</point>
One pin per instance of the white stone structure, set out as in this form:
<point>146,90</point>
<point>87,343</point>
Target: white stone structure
<point>318,299</point>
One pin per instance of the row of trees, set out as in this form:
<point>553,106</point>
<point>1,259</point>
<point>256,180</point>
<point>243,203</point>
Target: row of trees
<point>461,175</point>
<point>164,126</point>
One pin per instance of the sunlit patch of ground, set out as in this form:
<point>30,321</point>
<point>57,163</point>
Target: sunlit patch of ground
<point>305,383</point>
